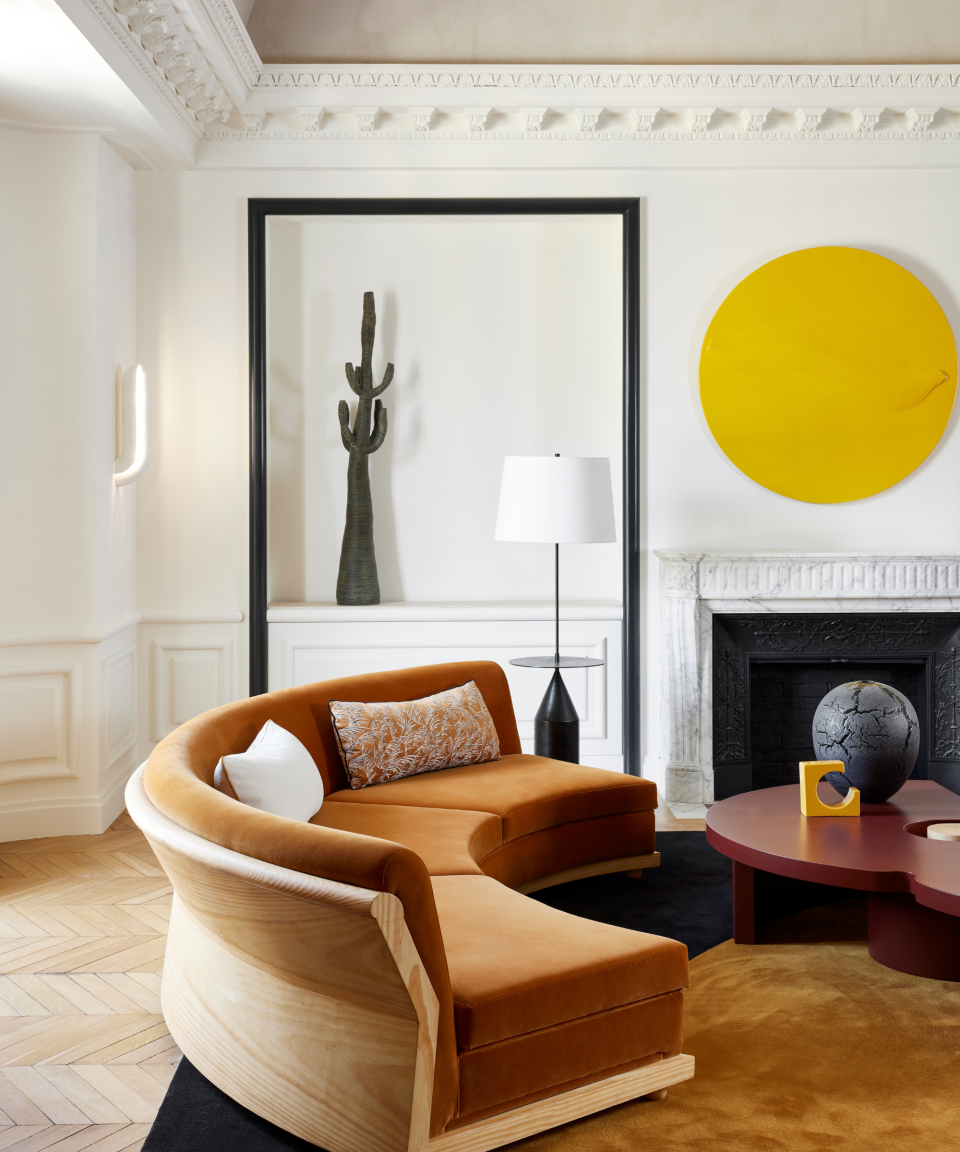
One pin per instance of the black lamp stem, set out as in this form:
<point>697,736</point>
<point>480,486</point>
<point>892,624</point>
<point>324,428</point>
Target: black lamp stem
<point>556,592</point>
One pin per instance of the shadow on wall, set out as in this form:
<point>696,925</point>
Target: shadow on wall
<point>286,511</point>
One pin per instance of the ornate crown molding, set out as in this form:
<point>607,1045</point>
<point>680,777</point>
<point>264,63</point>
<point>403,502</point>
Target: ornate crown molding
<point>603,104</point>
<point>223,15</point>
<point>159,43</point>
<point>380,130</point>
<point>460,77</point>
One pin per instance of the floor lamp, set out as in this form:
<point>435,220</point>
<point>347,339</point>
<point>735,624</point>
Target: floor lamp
<point>556,500</point>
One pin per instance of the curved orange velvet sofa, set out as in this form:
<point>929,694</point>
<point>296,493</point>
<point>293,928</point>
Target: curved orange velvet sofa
<point>519,1016</point>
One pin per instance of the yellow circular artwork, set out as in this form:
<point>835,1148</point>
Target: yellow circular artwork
<point>828,374</point>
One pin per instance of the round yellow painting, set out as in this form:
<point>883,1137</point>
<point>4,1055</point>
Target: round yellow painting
<point>828,374</point>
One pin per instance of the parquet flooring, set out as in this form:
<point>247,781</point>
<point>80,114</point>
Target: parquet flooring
<point>85,1057</point>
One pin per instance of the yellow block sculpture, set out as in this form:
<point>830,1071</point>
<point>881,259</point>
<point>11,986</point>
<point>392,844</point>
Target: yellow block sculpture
<point>810,802</point>
<point>828,374</point>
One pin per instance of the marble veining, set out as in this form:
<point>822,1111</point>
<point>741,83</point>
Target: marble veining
<point>694,585</point>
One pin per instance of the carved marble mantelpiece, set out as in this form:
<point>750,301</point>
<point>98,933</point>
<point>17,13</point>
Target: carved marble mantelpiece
<point>694,585</point>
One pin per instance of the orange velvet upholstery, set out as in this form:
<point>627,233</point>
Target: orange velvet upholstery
<point>527,792</point>
<point>552,850</point>
<point>532,1001</point>
<point>449,843</point>
<point>515,1072</point>
<point>517,966</point>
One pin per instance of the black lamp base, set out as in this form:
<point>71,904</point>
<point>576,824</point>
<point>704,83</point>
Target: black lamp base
<point>556,726</point>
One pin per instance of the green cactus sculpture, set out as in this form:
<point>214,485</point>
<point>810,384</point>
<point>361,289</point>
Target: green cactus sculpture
<point>357,581</point>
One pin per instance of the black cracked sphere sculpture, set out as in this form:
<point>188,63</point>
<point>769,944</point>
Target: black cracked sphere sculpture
<point>874,730</point>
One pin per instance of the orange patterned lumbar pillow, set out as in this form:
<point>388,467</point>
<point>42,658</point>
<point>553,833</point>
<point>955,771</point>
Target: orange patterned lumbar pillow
<point>380,742</point>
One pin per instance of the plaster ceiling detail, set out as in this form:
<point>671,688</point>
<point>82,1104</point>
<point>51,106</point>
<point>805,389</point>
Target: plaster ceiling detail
<point>192,67</point>
<point>695,125</point>
<point>194,53</point>
<point>599,104</point>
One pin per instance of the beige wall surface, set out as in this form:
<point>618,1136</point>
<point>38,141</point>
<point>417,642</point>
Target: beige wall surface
<point>608,31</point>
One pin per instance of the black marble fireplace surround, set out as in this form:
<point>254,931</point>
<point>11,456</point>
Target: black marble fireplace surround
<point>771,670</point>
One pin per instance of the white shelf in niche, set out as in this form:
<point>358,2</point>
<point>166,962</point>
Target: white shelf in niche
<point>288,613</point>
<point>310,642</point>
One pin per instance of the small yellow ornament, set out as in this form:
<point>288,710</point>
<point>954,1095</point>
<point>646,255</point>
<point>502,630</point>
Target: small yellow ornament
<point>810,802</point>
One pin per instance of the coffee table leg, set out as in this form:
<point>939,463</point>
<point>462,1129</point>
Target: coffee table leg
<point>744,923</point>
<point>909,937</point>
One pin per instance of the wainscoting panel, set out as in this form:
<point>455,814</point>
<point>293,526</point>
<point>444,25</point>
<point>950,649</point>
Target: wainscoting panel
<point>39,722</point>
<point>329,642</point>
<point>68,729</point>
<point>188,678</point>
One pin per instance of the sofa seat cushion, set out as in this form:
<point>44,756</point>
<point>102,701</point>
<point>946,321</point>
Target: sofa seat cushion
<point>449,842</point>
<point>518,966</point>
<point>527,792</point>
<point>552,850</point>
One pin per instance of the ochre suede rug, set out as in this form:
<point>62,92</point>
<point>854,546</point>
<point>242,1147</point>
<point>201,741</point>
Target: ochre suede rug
<point>806,1044</point>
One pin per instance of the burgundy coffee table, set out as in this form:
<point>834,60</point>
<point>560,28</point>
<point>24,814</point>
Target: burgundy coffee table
<point>912,883</point>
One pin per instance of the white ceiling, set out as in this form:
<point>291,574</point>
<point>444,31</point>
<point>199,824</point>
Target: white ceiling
<point>607,31</point>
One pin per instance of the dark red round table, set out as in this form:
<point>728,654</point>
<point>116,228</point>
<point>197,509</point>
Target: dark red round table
<point>912,883</point>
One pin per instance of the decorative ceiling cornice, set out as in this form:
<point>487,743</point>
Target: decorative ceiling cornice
<point>156,39</point>
<point>586,104</point>
<point>224,16</point>
<point>502,76</point>
<point>594,125</point>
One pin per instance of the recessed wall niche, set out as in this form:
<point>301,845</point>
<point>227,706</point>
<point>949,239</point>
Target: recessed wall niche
<point>506,335</point>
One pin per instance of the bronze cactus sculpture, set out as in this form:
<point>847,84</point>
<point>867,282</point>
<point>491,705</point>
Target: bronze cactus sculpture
<point>357,581</point>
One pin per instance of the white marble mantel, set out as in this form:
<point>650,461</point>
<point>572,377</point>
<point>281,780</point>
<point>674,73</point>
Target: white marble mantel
<point>694,585</point>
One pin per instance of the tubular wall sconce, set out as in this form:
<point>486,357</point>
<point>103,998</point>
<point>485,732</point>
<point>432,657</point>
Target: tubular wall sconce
<point>134,426</point>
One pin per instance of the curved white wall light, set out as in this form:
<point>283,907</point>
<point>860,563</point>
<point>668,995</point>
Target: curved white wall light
<point>136,440</point>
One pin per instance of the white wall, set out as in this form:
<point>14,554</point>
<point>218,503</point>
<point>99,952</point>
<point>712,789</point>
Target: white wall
<point>67,610</point>
<point>505,333</point>
<point>703,230</point>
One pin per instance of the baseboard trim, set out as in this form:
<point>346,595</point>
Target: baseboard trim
<point>63,816</point>
<point>585,871</point>
<point>519,1123</point>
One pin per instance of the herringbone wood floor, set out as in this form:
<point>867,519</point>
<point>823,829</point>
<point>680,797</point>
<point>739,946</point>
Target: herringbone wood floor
<point>85,1057</point>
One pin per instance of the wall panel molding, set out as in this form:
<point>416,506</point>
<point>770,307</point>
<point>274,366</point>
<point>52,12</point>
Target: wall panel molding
<point>119,710</point>
<point>187,677</point>
<point>39,722</point>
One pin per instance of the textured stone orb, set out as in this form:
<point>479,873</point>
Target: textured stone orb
<point>874,730</point>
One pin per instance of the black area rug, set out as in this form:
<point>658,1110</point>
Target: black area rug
<point>688,897</point>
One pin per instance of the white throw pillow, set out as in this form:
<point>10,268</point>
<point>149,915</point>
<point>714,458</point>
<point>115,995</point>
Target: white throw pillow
<point>276,774</point>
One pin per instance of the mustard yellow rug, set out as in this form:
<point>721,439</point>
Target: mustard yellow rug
<point>803,1043</point>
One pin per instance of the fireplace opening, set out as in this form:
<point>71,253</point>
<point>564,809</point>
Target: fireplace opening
<point>771,670</point>
<point>784,696</point>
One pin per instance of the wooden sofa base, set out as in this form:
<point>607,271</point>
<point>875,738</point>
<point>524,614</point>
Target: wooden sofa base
<point>632,865</point>
<point>495,1131</point>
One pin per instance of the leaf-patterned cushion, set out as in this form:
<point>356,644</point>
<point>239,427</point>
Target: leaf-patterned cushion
<point>380,742</point>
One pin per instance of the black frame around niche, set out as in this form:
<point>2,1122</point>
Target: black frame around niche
<point>626,207</point>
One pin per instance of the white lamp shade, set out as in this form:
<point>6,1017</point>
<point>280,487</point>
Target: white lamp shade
<point>556,500</point>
